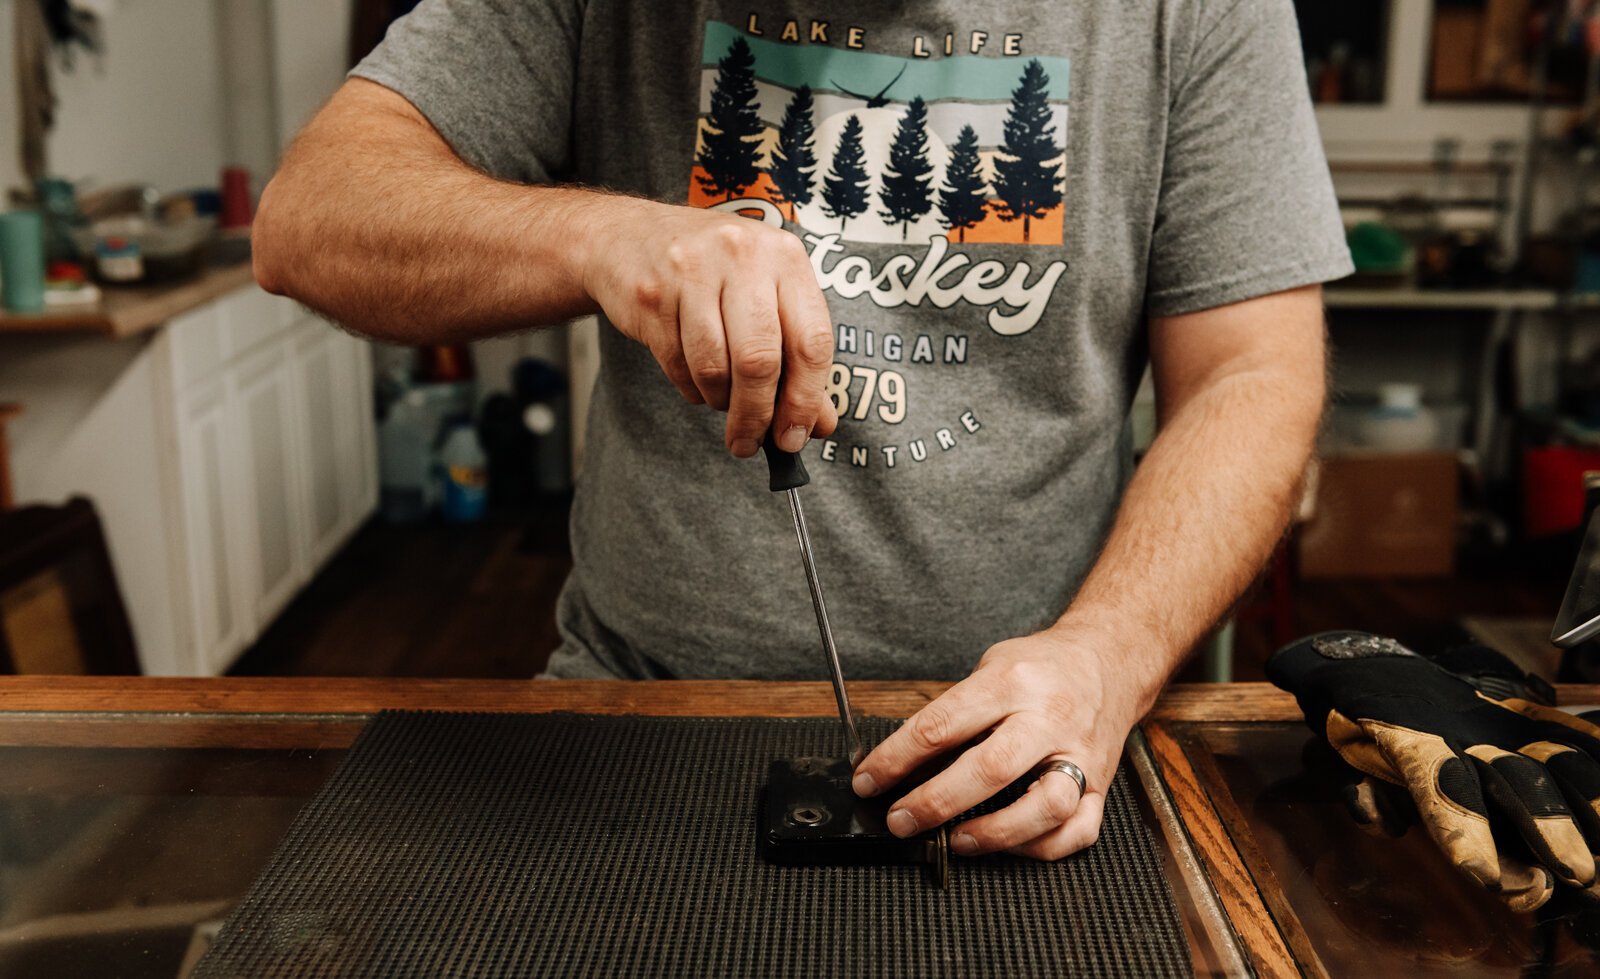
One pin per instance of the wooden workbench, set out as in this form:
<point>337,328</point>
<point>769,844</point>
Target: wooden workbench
<point>1188,735</point>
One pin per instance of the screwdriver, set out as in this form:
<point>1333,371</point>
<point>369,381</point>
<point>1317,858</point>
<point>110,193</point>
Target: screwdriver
<point>788,474</point>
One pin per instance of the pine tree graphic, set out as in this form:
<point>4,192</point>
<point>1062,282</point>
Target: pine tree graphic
<point>733,129</point>
<point>844,189</point>
<point>794,159</point>
<point>1027,185</point>
<point>906,194</point>
<point>964,195</point>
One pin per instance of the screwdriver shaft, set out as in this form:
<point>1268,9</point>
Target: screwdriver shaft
<point>835,671</point>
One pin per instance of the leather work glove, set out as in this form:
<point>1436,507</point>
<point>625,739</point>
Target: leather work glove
<point>1382,809</point>
<point>1474,764</point>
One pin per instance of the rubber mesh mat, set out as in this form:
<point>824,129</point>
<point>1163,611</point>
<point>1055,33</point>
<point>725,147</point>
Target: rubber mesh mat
<point>496,844</point>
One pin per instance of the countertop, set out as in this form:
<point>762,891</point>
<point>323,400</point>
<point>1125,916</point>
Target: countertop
<point>124,311</point>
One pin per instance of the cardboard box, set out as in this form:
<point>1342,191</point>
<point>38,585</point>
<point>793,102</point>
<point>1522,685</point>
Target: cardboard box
<point>1381,515</point>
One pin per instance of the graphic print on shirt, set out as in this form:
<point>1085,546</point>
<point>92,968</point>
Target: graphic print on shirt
<point>945,153</point>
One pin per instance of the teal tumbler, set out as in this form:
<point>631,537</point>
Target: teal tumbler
<point>22,261</point>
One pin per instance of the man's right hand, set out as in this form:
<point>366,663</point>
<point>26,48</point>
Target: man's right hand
<point>729,307</point>
<point>375,222</point>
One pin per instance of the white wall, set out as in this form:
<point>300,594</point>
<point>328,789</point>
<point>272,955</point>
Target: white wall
<point>184,88</point>
<point>151,109</point>
<point>10,166</point>
<point>309,57</point>
<point>244,40</point>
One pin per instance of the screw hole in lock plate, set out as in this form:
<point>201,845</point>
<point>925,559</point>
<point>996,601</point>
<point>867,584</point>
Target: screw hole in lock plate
<point>808,816</point>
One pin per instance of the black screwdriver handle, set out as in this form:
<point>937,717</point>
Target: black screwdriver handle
<point>785,468</point>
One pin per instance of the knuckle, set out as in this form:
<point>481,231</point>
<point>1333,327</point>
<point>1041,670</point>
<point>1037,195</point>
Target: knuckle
<point>931,730</point>
<point>709,372</point>
<point>815,348</point>
<point>680,257</point>
<point>999,761</point>
<point>795,249</point>
<point>936,807</point>
<point>649,294</point>
<point>758,361</point>
<point>734,235</point>
<point>1023,675</point>
<point>705,348</point>
<point>1060,802</point>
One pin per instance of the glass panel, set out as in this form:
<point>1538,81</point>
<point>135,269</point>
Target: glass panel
<point>123,861</point>
<point>1365,905</point>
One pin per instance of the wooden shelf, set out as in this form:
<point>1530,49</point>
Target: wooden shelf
<point>1469,168</point>
<point>128,310</point>
<point>1341,297</point>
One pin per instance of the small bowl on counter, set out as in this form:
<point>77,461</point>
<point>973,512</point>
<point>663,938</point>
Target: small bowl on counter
<point>133,249</point>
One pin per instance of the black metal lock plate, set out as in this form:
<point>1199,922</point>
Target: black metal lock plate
<point>811,817</point>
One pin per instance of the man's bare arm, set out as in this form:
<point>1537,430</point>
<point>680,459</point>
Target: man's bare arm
<point>374,221</point>
<point>1241,392</point>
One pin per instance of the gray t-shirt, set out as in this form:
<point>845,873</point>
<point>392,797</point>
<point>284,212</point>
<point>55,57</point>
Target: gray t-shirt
<point>995,197</point>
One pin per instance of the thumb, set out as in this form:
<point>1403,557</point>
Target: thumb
<point>1448,796</point>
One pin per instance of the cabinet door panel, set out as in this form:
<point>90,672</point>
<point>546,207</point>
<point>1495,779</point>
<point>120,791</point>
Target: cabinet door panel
<point>251,317</point>
<point>356,461</point>
<point>217,620</point>
<point>365,465</point>
<point>265,410</point>
<point>320,409</point>
<point>197,350</point>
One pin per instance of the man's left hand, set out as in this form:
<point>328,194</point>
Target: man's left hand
<point>1046,697</point>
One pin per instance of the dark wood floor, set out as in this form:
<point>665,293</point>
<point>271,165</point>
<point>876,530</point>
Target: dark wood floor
<point>428,599</point>
<point>478,601</point>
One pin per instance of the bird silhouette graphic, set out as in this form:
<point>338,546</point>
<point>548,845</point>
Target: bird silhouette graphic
<point>873,101</point>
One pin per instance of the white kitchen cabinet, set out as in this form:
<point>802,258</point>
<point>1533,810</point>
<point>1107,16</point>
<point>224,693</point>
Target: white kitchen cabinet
<point>359,474</point>
<point>323,504</point>
<point>269,472</point>
<point>338,477</point>
<point>274,467</point>
<point>209,596</point>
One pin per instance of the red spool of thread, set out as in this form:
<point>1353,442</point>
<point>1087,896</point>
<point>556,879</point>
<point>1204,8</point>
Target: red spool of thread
<point>236,211</point>
<point>444,363</point>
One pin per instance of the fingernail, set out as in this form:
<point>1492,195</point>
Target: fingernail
<point>964,844</point>
<point>793,438</point>
<point>865,785</point>
<point>744,448</point>
<point>902,823</point>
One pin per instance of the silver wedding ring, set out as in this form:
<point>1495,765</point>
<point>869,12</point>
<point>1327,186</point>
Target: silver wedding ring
<point>1070,769</point>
